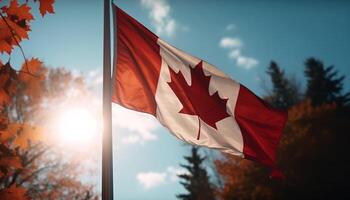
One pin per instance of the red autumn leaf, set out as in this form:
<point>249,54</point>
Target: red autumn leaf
<point>32,75</point>
<point>13,192</point>
<point>21,32</point>
<point>10,161</point>
<point>14,24</point>
<point>7,83</point>
<point>5,46</point>
<point>24,133</point>
<point>18,12</point>
<point>46,6</point>
<point>6,37</point>
<point>195,98</point>
<point>32,67</point>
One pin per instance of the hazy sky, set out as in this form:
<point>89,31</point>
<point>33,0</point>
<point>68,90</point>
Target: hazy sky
<point>239,37</point>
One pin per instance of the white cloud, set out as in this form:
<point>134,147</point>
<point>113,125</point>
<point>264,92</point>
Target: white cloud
<point>131,139</point>
<point>139,138</point>
<point>230,27</point>
<point>246,62</point>
<point>234,46</point>
<point>95,75</point>
<point>94,78</point>
<point>160,16</point>
<point>159,13</point>
<point>234,53</point>
<point>174,172</point>
<point>228,42</point>
<point>170,27</point>
<point>140,126</point>
<point>242,61</point>
<point>151,179</point>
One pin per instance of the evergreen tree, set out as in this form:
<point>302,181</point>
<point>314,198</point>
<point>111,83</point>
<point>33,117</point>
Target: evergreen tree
<point>285,92</point>
<point>196,181</point>
<point>323,84</point>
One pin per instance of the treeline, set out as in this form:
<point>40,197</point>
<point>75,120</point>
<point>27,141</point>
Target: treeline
<point>313,151</point>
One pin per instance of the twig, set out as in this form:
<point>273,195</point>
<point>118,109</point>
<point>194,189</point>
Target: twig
<point>20,47</point>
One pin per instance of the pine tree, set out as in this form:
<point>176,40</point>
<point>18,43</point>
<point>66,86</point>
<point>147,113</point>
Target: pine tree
<point>196,181</point>
<point>285,92</point>
<point>323,84</point>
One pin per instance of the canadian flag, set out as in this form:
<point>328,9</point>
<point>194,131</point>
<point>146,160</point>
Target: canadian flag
<point>198,103</point>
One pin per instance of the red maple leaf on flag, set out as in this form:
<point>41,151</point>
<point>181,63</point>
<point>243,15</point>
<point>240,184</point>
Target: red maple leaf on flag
<point>195,98</point>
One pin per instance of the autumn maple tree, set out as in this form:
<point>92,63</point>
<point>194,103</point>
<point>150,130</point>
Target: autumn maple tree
<point>14,27</point>
<point>15,22</point>
<point>195,98</point>
<point>29,167</point>
<point>27,162</point>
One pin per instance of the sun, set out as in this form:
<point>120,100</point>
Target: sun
<point>77,126</point>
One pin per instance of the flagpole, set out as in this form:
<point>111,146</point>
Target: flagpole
<point>107,147</point>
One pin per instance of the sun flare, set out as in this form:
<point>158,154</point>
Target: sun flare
<point>77,126</point>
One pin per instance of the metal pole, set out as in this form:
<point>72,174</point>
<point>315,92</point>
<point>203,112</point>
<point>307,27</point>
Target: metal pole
<point>107,147</point>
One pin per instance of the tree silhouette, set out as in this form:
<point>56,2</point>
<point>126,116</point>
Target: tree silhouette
<point>285,92</point>
<point>323,84</point>
<point>311,139</point>
<point>312,152</point>
<point>196,181</point>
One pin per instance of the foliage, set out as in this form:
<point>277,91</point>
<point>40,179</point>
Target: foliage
<point>323,84</point>
<point>15,22</point>
<point>243,179</point>
<point>14,142</point>
<point>7,83</point>
<point>285,92</point>
<point>196,181</point>
<point>46,6</point>
<point>26,161</point>
<point>312,138</point>
<point>29,167</point>
<point>312,152</point>
<point>13,192</point>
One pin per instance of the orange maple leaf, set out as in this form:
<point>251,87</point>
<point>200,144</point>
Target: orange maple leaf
<point>14,26</point>
<point>21,135</point>
<point>13,192</point>
<point>18,12</point>
<point>7,83</point>
<point>12,161</point>
<point>32,67</point>
<point>46,6</point>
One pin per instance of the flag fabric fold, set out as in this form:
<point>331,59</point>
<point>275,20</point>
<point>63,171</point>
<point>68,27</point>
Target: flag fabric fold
<point>198,103</point>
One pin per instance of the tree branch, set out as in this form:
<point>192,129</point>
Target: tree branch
<point>13,33</point>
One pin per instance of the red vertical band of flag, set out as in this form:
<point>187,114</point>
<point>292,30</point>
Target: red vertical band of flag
<point>261,127</point>
<point>138,64</point>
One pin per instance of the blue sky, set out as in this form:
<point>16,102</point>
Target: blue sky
<point>239,37</point>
